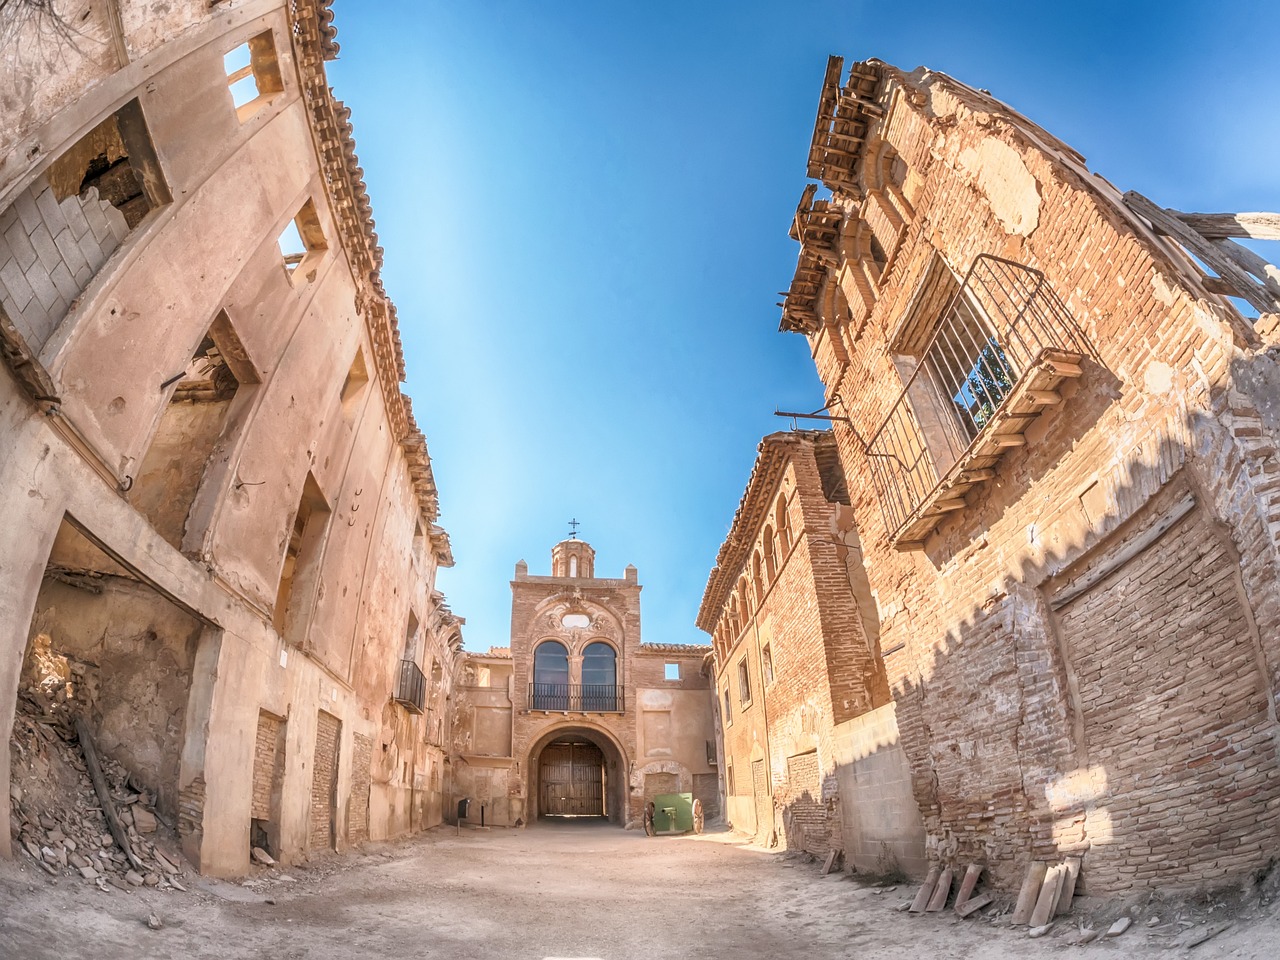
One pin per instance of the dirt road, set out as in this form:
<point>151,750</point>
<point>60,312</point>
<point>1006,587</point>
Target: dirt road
<point>565,891</point>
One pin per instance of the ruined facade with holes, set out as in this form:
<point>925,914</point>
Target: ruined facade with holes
<point>578,717</point>
<point>802,704</point>
<point>1058,435</point>
<point>220,538</point>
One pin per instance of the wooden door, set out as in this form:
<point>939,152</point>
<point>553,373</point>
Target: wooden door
<point>571,780</point>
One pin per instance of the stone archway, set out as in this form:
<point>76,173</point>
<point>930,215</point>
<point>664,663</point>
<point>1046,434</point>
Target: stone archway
<point>572,750</point>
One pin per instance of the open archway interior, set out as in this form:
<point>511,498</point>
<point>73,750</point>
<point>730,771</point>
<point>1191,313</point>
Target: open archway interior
<point>577,775</point>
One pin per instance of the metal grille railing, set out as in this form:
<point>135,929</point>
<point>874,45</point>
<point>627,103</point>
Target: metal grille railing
<point>576,697</point>
<point>411,688</point>
<point>994,328</point>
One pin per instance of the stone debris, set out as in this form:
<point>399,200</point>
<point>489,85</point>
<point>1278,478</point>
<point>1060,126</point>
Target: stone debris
<point>261,856</point>
<point>1040,931</point>
<point>154,922</point>
<point>1119,927</point>
<point>56,819</point>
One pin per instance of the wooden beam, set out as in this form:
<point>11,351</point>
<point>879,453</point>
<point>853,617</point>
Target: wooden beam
<point>104,793</point>
<point>1044,398</point>
<point>1219,226</point>
<point>1166,222</point>
<point>1268,274</point>
<point>1064,369</point>
<point>978,476</point>
<point>1011,440</point>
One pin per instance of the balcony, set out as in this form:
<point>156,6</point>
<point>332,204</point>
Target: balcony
<point>992,365</point>
<point>576,697</point>
<point>411,687</point>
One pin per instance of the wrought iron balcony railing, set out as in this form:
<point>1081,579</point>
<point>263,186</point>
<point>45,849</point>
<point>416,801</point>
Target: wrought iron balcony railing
<point>411,687</point>
<point>576,697</point>
<point>992,365</point>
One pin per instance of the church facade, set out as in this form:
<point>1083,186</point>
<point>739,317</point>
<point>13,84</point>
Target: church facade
<point>579,717</point>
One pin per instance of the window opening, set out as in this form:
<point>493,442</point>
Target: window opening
<point>744,682</point>
<point>253,75</point>
<point>599,677</point>
<point>672,671</point>
<point>301,244</point>
<point>75,216</point>
<point>733,787</point>
<point>551,676</point>
<point>766,661</point>
<point>299,572</point>
<point>191,427</point>
<point>728,710</point>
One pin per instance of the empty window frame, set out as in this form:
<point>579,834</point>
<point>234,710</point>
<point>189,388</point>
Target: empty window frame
<point>299,574</point>
<point>733,787</point>
<point>194,422</point>
<point>744,682</point>
<point>60,231</point>
<point>728,709</point>
<point>253,75</point>
<point>671,671</point>
<point>766,664</point>
<point>302,244</point>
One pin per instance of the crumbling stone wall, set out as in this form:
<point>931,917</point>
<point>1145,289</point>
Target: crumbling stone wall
<point>1009,710</point>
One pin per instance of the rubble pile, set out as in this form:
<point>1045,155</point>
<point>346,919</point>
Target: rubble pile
<point>56,816</point>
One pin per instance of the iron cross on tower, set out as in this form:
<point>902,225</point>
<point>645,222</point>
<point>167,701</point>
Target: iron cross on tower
<point>573,529</point>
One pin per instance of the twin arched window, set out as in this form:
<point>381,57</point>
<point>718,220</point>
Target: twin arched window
<point>553,688</point>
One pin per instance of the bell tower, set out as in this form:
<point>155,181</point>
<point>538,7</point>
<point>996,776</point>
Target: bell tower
<point>573,559</point>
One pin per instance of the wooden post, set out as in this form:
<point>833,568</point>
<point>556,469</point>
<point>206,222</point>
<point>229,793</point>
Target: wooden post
<point>104,794</point>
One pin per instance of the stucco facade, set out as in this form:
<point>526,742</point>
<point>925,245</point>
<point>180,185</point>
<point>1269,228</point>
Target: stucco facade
<point>220,513</point>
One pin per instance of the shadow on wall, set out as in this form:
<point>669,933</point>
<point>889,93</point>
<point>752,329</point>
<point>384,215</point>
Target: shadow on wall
<point>1111,696</point>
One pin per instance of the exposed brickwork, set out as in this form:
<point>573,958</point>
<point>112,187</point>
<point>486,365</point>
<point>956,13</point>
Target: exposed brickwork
<point>358,807</point>
<point>706,787</point>
<point>781,604</point>
<point>49,252</point>
<point>268,765</point>
<point>324,774</point>
<point>1133,723</point>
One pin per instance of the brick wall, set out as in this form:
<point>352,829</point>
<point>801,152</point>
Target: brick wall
<point>358,806</point>
<point>268,766</point>
<point>804,812</point>
<point>324,773</point>
<point>49,251</point>
<point>1012,754</point>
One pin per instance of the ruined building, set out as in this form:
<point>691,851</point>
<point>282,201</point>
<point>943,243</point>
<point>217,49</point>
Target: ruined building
<point>579,717</point>
<point>811,754</point>
<point>1057,432</point>
<point>219,545</point>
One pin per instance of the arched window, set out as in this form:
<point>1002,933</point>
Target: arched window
<point>770,563</point>
<point>599,677</point>
<point>551,676</point>
<point>573,566</point>
<point>757,580</point>
<point>744,598</point>
<point>784,523</point>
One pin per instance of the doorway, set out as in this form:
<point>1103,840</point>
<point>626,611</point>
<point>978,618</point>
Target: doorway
<point>571,779</point>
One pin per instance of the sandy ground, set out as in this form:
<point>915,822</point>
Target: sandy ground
<point>562,891</point>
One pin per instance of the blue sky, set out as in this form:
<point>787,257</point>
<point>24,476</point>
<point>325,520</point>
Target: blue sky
<point>585,211</point>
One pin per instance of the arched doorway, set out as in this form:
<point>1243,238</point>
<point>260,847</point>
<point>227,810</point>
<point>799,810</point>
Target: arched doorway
<point>571,779</point>
<point>577,774</point>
